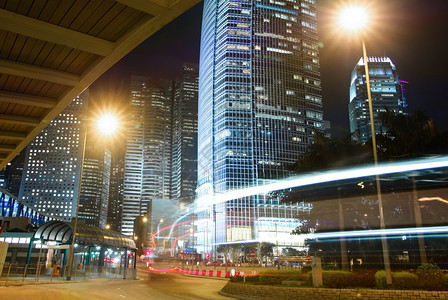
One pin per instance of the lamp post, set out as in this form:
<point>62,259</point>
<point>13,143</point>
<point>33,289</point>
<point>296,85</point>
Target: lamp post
<point>355,18</point>
<point>158,234</point>
<point>107,124</point>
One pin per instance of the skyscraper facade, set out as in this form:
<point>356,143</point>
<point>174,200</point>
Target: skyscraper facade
<point>259,101</point>
<point>184,135</point>
<point>259,91</point>
<point>116,193</point>
<point>148,152</point>
<point>52,169</point>
<point>386,90</point>
<point>13,174</point>
<point>132,184</point>
<point>94,200</point>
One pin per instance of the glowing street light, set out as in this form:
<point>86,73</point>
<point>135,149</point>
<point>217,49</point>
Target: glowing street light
<point>355,18</point>
<point>106,124</point>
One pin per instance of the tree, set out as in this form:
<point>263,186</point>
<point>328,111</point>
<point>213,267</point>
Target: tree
<point>264,251</point>
<point>326,153</point>
<point>231,252</point>
<point>288,251</point>
<point>406,135</point>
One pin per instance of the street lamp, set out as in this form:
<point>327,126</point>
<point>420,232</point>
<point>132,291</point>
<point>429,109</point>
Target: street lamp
<point>158,229</point>
<point>106,125</point>
<point>355,19</point>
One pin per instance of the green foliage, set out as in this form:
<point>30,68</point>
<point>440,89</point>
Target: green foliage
<point>330,267</point>
<point>280,272</point>
<point>409,135</point>
<point>400,280</point>
<point>344,279</point>
<point>404,280</point>
<point>430,276</point>
<point>337,279</point>
<point>274,276</point>
<point>251,279</point>
<point>380,279</point>
<point>325,153</point>
<point>289,251</point>
<point>236,278</point>
<point>306,269</point>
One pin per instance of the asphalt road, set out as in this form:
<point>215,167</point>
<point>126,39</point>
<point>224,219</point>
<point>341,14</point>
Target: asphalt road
<point>161,286</point>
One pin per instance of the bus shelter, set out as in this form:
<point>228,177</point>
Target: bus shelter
<point>93,246</point>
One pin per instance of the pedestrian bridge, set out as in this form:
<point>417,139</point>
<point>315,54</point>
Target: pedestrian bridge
<point>50,51</point>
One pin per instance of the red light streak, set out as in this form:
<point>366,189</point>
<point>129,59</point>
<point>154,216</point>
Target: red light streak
<point>168,227</point>
<point>174,244</point>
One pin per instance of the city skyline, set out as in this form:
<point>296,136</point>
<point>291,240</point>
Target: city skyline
<point>410,27</point>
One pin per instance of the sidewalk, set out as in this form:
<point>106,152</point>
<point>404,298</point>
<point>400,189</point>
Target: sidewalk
<point>45,278</point>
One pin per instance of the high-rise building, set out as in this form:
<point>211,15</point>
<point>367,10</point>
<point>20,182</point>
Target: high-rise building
<point>184,136</point>
<point>132,185</point>
<point>147,172</point>
<point>116,193</point>
<point>386,90</point>
<point>52,169</point>
<point>94,200</point>
<point>13,174</point>
<point>259,102</point>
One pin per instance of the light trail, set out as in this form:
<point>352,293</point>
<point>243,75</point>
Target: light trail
<point>378,232</point>
<point>165,228</point>
<point>328,176</point>
<point>424,199</point>
<point>205,203</point>
<point>174,243</point>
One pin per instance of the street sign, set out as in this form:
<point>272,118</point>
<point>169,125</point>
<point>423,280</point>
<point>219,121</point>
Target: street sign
<point>252,253</point>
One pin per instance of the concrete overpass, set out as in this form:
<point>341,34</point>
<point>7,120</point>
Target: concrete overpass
<point>51,50</point>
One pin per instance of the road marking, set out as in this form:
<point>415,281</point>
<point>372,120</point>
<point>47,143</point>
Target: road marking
<point>122,296</point>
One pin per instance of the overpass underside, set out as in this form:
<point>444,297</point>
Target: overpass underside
<point>51,50</point>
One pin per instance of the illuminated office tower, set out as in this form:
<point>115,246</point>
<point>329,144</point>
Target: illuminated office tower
<point>12,174</point>
<point>184,136</point>
<point>259,100</point>
<point>51,173</point>
<point>116,193</point>
<point>148,151</point>
<point>94,200</point>
<point>132,184</point>
<point>386,90</point>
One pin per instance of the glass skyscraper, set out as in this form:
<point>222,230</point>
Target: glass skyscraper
<point>184,135</point>
<point>386,89</point>
<point>259,101</point>
<point>148,151</point>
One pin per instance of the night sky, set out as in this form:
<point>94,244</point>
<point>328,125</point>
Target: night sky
<point>413,33</point>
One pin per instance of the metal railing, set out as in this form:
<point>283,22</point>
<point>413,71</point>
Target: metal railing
<point>19,274</point>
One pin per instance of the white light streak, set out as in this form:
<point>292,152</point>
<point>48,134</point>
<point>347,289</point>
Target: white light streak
<point>378,232</point>
<point>329,176</point>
